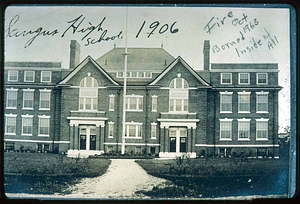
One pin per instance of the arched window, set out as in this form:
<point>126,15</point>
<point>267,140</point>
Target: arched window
<point>88,94</point>
<point>179,95</point>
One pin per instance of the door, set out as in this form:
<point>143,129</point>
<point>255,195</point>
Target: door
<point>178,139</point>
<point>87,138</point>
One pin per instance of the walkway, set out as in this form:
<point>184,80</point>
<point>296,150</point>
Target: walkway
<point>123,178</point>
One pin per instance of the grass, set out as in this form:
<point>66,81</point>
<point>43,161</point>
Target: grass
<point>217,177</point>
<point>47,173</point>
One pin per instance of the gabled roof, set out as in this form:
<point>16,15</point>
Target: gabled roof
<point>139,59</point>
<point>185,64</point>
<point>81,65</point>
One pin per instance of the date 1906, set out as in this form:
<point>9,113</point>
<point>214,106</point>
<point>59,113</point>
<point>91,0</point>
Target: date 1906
<point>161,30</point>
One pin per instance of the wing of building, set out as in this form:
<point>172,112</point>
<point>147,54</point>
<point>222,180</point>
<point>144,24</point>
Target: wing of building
<point>171,109</point>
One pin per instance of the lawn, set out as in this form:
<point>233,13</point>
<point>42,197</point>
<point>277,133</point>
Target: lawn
<point>218,177</point>
<point>47,173</point>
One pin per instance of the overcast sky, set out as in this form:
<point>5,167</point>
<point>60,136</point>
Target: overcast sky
<point>181,30</point>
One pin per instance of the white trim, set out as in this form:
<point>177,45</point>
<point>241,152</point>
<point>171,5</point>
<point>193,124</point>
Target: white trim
<point>225,111</point>
<point>262,92</point>
<point>82,64</point>
<point>225,139</point>
<point>177,120</point>
<point>244,119</point>
<point>172,65</point>
<point>86,111</point>
<point>225,120</point>
<point>42,76</point>
<point>27,116</point>
<point>257,78</point>
<point>262,119</point>
<point>111,97</point>
<point>222,78</point>
<point>86,118</point>
<point>111,122</point>
<point>44,116</point>
<point>244,93</point>
<point>262,139</point>
<point>240,79</point>
<point>131,144</point>
<point>243,139</point>
<point>25,75</point>
<point>243,145</point>
<point>178,113</point>
<point>40,141</point>
<point>226,92</point>
<point>11,115</point>
<point>244,70</point>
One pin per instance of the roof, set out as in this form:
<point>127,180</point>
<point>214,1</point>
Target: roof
<point>145,59</point>
<point>33,64</point>
<point>185,64</point>
<point>81,65</point>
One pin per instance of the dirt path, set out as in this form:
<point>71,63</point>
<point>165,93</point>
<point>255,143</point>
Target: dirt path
<point>123,178</point>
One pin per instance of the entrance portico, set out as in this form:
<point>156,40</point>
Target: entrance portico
<point>86,136</point>
<point>177,137</point>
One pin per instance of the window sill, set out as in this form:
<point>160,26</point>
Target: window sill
<point>30,135</point>
<point>27,108</point>
<point>153,138</point>
<point>243,139</point>
<point>111,137</point>
<point>225,111</point>
<point>14,108</point>
<point>43,135</point>
<point>225,139</point>
<point>10,134</point>
<point>262,139</point>
<point>262,84</point>
<point>133,138</point>
<point>45,81</point>
<point>134,110</point>
<point>244,83</point>
<point>154,111</point>
<point>244,112</point>
<point>111,110</point>
<point>47,109</point>
<point>28,81</point>
<point>262,111</point>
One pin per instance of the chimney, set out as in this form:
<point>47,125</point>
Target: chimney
<point>74,54</point>
<point>206,51</point>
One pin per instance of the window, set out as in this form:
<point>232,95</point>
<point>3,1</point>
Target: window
<point>153,130</point>
<point>148,74</point>
<point>244,78</point>
<point>12,98</point>
<point>110,129</point>
<point>29,76</point>
<point>262,152</point>
<point>226,78</point>
<point>27,124</point>
<point>133,130</point>
<point>225,152</point>
<point>262,129</point>
<point>134,103</point>
<point>225,129</point>
<point>10,124</point>
<point>154,103</point>
<point>226,102</point>
<point>179,94</point>
<point>44,125</point>
<point>88,94</point>
<point>111,102</point>
<point>120,74</point>
<point>244,102</point>
<point>28,96</point>
<point>262,78</point>
<point>12,75</point>
<point>45,76</point>
<point>9,146</point>
<point>45,96</point>
<point>244,129</point>
<point>42,147</point>
<point>262,102</point>
<point>134,74</point>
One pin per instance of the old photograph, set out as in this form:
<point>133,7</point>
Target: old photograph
<point>147,102</point>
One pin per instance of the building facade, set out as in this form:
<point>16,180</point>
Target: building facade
<point>171,109</point>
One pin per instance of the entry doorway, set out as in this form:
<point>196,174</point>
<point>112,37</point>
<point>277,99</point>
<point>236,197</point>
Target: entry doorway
<point>87,138</point>
<point>178,140</point>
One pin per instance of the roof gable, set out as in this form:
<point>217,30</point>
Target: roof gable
<point>185,64</point>
<point>81,65</point>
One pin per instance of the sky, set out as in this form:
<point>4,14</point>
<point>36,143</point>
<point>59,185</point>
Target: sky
<point>180,30</point>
